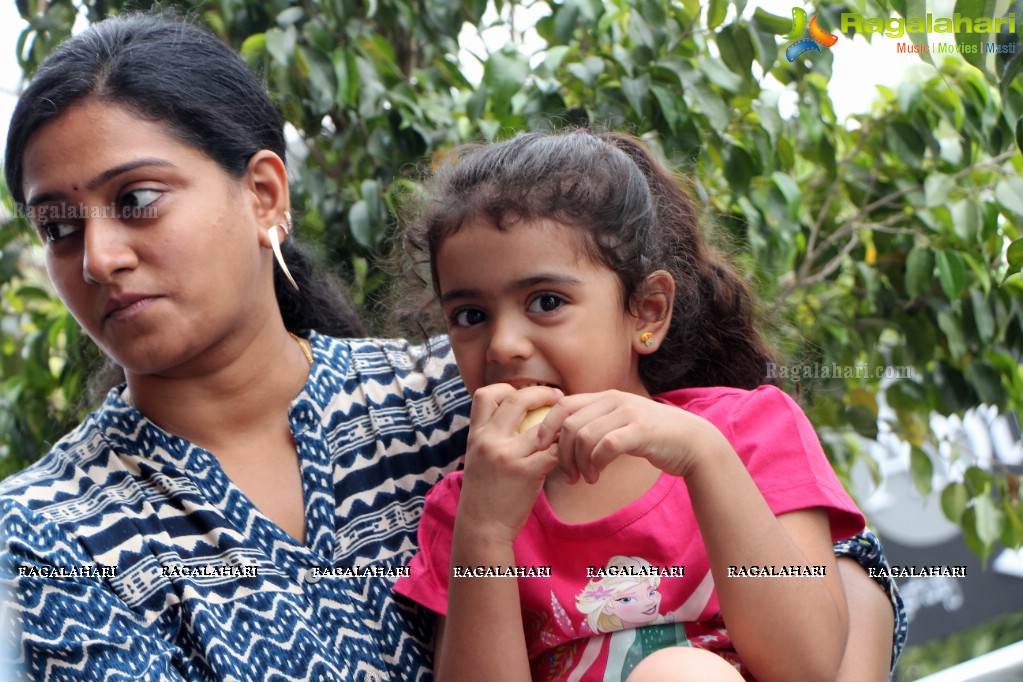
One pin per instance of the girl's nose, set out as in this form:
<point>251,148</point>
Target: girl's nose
<point>508,342</point>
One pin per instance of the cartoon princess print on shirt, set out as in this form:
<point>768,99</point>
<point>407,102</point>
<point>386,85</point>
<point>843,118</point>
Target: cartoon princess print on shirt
<point>625,605</point>
<point>627,600</point>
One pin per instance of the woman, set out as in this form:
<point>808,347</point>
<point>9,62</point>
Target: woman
<point>238,460</point>
<point>240,506</point>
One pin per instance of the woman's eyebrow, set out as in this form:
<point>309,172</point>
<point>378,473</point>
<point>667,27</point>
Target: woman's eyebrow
<point>124,168</point>
<point>103,177</point>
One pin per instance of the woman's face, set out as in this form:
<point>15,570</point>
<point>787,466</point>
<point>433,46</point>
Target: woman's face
<point>154,249</point>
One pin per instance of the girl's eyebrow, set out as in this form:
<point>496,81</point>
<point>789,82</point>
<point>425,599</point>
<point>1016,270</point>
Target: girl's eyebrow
<point>103,177</point>
<point>524,283</point>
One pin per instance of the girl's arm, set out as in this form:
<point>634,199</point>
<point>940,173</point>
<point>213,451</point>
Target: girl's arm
<point>482,637</point>
<point>868,651</point>
<point>783,628</point>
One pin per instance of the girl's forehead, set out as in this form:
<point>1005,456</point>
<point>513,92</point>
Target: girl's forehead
<point>577,239</point>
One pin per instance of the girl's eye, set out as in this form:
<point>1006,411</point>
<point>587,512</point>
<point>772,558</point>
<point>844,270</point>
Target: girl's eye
<point>134,202</point>
<point>545,303</point>
<point>467,317</point>
<point>625,600</point>
<point>54,232</point>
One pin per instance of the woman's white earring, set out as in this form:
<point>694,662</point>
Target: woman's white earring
<point>275,244</point>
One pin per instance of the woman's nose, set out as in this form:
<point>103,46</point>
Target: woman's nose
<point>107,249</point>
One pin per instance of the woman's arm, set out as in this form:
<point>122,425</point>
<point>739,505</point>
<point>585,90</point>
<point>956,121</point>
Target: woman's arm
<point>69,627</point>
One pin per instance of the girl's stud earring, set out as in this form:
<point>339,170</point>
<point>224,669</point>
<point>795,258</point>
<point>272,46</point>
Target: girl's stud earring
<point>647,338</point>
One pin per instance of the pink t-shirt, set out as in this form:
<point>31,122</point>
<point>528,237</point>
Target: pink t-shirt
<point>638,580</point>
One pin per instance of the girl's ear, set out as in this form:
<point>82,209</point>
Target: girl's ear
<point>652,308</point>
<point>266,187</point>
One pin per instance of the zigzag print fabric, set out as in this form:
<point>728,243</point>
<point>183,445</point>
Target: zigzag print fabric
<point>129,555</point>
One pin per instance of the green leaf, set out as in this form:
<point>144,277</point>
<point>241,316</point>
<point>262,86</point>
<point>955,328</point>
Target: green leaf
<point>736,48</point>
<point>906,142</point>
<point>672,106</point>
<point>772,23</point>
<point>739,167</point>
<point>921,469</point>
<point>951,274</point>
<point>505,73</point>
<point>982,315</point>
<point>716,12</point>
<point>281,44</point>
<point>1009,193</point>
<point>253,47</point>
<point>936,189</point>
<point>919,271</point>
<point>953,335</point>
<point>1014,255</point>
<point>720,75</point>
<point>1012,527</point>
<point>954,499</point>
<point>978,481</point>
<point>359,223</point>
<point>791,193</point>
<point>637,91</point>
<point>988,520</point>
<point>909,94</point>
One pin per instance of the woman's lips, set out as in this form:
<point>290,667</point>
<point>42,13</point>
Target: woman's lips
<point>126,307</point>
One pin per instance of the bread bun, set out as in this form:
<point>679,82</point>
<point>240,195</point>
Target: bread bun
<point>533,417</point>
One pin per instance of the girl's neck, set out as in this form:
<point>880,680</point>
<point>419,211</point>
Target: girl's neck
<point>625,480</point>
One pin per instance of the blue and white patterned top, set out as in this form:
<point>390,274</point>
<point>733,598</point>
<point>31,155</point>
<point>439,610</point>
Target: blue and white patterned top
<point>128,554</point>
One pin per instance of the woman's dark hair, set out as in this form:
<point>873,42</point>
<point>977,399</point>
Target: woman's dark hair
<point>638,218</point>
<point>171,72</point>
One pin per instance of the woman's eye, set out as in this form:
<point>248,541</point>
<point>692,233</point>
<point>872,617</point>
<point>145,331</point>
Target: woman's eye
<point>54,232</point>
<point>545,303</point>
<point>133,203</point>
<point>625,600</point>
<point>468,317</point>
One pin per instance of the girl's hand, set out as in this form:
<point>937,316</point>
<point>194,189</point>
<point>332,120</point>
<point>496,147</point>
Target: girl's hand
<point>594,428</point>
<point>504,470</point>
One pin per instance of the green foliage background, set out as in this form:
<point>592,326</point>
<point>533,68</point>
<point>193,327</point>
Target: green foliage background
<point>890,239</point>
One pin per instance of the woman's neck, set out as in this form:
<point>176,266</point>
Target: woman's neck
<point>226,396</point>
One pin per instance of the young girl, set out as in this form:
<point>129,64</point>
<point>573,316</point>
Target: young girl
<point>572,273</point>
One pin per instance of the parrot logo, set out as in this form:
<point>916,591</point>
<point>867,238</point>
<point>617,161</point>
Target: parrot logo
<point>818,36</point>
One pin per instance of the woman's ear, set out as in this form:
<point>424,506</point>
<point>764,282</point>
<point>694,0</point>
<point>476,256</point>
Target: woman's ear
<point>652,307</point>
<point>266,184</point>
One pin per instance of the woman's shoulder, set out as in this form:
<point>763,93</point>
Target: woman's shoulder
<point>391,366</point>
<point>398,354</point>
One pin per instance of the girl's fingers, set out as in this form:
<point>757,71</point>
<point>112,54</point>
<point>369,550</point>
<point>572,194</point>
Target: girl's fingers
<point>515,404</point>
<point>485,402</point>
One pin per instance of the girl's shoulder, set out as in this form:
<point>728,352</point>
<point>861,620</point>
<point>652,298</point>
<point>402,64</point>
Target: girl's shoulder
<point>728,400</point>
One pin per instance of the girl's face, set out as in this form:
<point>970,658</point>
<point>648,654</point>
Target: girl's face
<point>150,244</point>
<point>637,605</point>
<point>527,306</point>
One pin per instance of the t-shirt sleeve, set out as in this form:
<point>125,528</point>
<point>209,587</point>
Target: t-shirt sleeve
<point>780,449</point>
<point>427,582</point>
